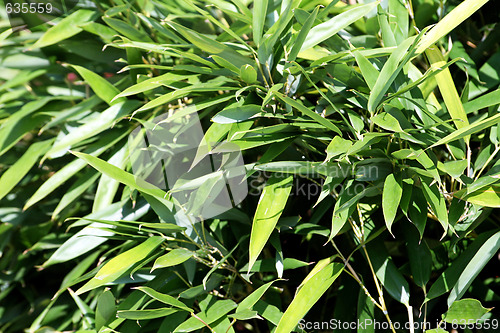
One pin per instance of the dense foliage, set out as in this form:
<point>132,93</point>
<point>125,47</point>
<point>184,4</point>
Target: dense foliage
<point>370,139</point>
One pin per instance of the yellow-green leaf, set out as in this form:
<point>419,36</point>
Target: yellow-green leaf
<point>66,28</point>
<point>271,204</point>
<point>315,285</point>
<point>120,264</point>
<point>174,257</point>
<point>448,90</point>
<point>449,22</point>
<point>391,197</point>
<point>101,87</point>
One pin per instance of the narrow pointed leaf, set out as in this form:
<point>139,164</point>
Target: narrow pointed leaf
<point>329,28</point>
<point>271,204</point>
<point>173,258</point>
<point>310,292</point>
<point>120,264</point>
<point>391,197</point>
<point>449,22</point>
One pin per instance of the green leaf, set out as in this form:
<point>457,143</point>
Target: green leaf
<point>487,197</point>
<point>448,90</point>
<point>69,170</point>
<point>120,264</point>
<point>459,14</point>
<point>76,190</point>
<point>269,209</point>
<point>369,72</point>
<point>105,310</point>
<point>468,130</point>
<point>388,74</point>
<point>102,122</point>
<point>329,28</point>
<point>301,37</point>
<point>316,284</point>
<point>216,311</point>
<point>259,14</point>
<point>66,28</point>
<point>174,257</point>
<point>21,122</point>
<point>232,115</point>
<point>337,146</point>
<point>474,267</point>
<point>419,255</point>
<point>465,310</point>
<point>387,272</point>
<point>145,314</point>
<point>387,122</point>
<point>462,271</point>
<point>22,166</point>
<point>251,299</point>
<point>22,78</point>
<point>245,315</point>
<point>484,101</point>
<point>167,299</point>
<point>211,46</point>
<point>86,311</point>
<point>455,168</point>
<point>121,176</point>
<point>391,197</point>
<point>91,236</point>
<point>107,187</point>
<point>101,87</point>
<point>293,103</point>
<point>152,83</point>
<point>437,203</point>
<point>127,30</point>
<point>398,19</point>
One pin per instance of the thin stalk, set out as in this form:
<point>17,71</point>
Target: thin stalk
<point>355,276</point>
<point>490,158</point>
<point>379,289</point>
<point>204,323</point>
<point>410,318</point>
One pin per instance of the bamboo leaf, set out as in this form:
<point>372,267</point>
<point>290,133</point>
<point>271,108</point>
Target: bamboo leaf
<point>391,197</point>
<point>465,310</point>
<point>301,37</point>
<point>328,124</point>
<point>329,28</point>
<point>120,175</point>
<point>66,28</point>
<point>145,314</point>
<point>463,270</point>
<point>315,285</point>
<point>120,264</point>
<point>487,197</point>
<point>468,130</point>
<point>22,166</point>
<point>93,127</point>
<point>167,299</point>
<point>259,13</point>
<point>449,22</point>
<point>105,310</point>
<point>173,258</point>
<point>448,90</point>
<point>101,87</point>
<point>388,74</point>
<point>271,204</point>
